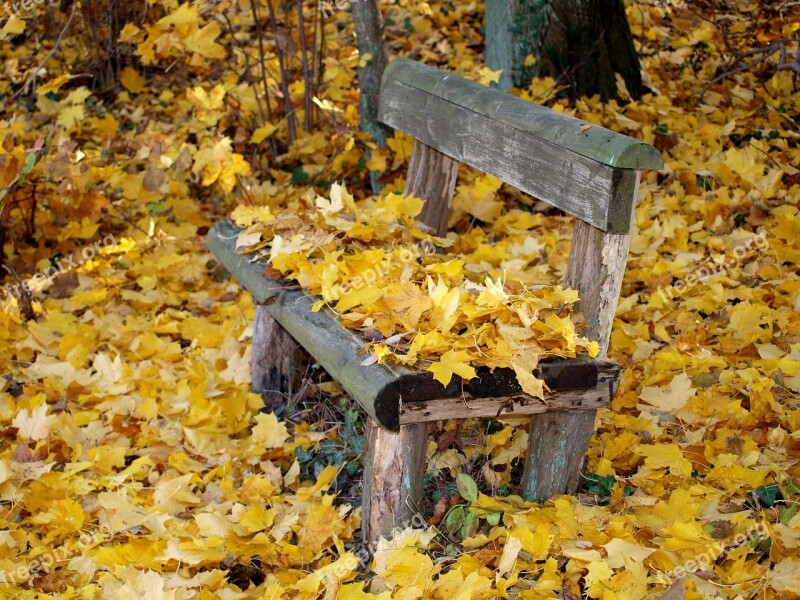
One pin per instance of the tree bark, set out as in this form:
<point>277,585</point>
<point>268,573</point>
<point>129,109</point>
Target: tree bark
<point>582,43</point>
<point>372,62</point>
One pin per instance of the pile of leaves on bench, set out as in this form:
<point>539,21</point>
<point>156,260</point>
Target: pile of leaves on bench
<point>417,299</point>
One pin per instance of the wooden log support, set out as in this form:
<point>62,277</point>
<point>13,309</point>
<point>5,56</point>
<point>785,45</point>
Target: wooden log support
<point>558,441</point>
<point>394,470</point>
<point>395,462</point>
<point>432,176</point>
<point>597,266</point>
<point>278,362</point>
<point>557,445</point>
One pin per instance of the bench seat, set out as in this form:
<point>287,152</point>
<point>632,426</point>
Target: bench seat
<point>395,395</point>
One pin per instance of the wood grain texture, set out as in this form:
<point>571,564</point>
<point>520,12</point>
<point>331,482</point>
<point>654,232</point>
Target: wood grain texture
<point>469,407</point>
<point>394,471</point>
<point>559,440</point>
<point>533,148</point>
<point>571,182</point>
<point>557,445</point>
<point>432,176</point>
<point>278,361</point>
<point>596,268</point>
<point>539,122</point>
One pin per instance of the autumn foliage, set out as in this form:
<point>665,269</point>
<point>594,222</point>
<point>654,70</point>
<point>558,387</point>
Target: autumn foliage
<point>135,461</point>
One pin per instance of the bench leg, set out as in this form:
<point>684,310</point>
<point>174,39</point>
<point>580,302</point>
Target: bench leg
<point>394,469</point>
<point>278,364</point>
<point>556,448</point>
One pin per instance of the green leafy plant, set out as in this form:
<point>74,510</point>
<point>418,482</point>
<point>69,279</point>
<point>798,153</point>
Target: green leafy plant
<point>459,522</point>
<point>601,486</point>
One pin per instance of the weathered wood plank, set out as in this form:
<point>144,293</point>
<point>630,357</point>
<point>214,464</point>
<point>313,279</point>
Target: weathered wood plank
<point>336,349</point>
<point>278,361</point>
<point>557,445</point>
<point>596,268</point>
<point>378,389</point>
<point>470,407</point>
<point>394,471</point>
<point>481,127</point>
<point>432,176</point>
<point>539,122</point>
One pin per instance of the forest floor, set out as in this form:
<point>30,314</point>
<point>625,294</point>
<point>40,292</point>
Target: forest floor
<point>136,463</point>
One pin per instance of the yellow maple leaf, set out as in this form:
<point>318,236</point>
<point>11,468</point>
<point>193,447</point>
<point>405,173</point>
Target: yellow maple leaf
<point>670,399</point>
<point>452,362</point>
<point>509,557</point>
<point>174,494</point>
<point>131,583</point>
<point>361,297</point>
<point>621,553</point>
<point>245,216</point>
<point>54,84</point>
<point>269,431</point>
<point>665,456</point>
<point>71,115</point>
<point>785,576</point>
<point>14,26</point>
<point>599,573</point>
<point>262,133</point>
<point>202,41</point>
<point>219,164</point>
<point>535,540</point>
<point>128,33</point>
<point>34,424</point>
<point>132,80</point>
<point>489,76</point>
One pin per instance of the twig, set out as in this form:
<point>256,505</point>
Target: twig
<point>49,55</point>
<point>319,66</point>
<point>263,64</point>
<point>318,25</point>
<point>265,118</point>
<point>306,75</point>
<point>31,227</point>
<point>791,66</point>
<point>248,68</point>
<point>24,296</point>
<point>765,53</point>
<point>290,116</point>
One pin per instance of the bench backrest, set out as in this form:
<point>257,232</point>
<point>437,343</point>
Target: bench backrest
<point>547,154</point>
<point>585,170</point>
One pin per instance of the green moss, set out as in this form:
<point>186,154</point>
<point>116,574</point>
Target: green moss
<point>527,30</point>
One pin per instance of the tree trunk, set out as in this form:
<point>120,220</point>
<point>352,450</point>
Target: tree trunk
<point>582,43</point>
<point>372,62</point>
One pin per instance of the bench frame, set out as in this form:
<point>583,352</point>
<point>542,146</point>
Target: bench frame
<point>587,171</point>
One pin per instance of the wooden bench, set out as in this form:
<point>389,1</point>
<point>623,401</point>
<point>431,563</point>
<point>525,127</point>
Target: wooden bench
<point>586,171</point>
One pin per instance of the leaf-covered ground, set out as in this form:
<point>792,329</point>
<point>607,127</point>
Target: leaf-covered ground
<point>134,461</point>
